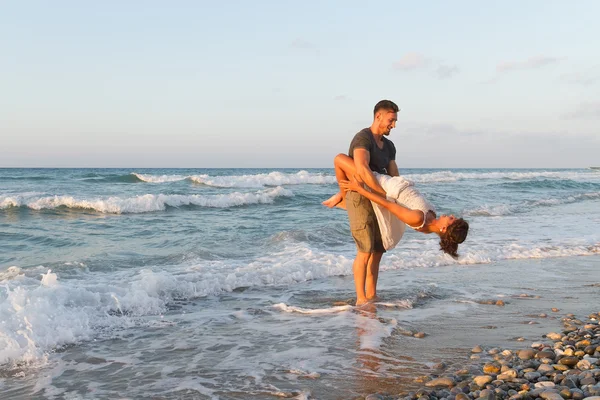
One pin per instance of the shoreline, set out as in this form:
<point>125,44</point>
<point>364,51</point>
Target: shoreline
<point>514,318</point>
<point>563,365</point>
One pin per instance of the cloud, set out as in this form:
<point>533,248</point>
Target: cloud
<point>530,63</point>
<point>586,78</point>
<point>415,61</point>
<point>437,129</point>
<point>446,71</point>
<point>411,61</point>
<point>587,110</point>
<point>300,43</point>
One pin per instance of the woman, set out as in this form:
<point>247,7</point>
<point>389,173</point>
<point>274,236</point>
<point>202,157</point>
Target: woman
<point>403,201</point>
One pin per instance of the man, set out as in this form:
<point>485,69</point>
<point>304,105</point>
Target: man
<point>371,151</point>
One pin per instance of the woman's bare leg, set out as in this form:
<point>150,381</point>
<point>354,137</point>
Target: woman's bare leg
<point>344,169</point>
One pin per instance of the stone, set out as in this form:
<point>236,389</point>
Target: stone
<point>444,381</point>
<point>462,396</point>
<point>532,376</point>
<point>420,335</point>
<point>588,380</point>
<point>570,382</point>
<point>547,353</point>
<point>584,364</point>
<point>560,367</point>
<point>526,354</point>
<point>554,309</point>
<point>477,349</point>
<point>482,380</point>
<point>554,336</point>
<point>582,344</point>
<point>565,393</point>
<point>545,369</point>
<point>491,368</point>
<point>577,394</point>
<point>550,396</point>
<point>569,361</point>
<point>504,377</point>
<point>545,385</point>
<point>374,397</point>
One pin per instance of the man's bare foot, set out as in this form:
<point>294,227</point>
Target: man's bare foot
<point>333,200</point>
<point>361,302</point>
<point>367,307</point>
<point>373,299</point>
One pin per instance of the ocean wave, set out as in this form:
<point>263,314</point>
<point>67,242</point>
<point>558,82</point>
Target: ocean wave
<point>252,181</point>
<point>143,203</point>
<point>451,176</point>
<point>526,206</point>
<point>114,178</point>
<point>41,313</point>
<point>555,184</point>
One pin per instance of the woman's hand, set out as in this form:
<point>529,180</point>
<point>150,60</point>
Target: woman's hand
<point>351,185</point>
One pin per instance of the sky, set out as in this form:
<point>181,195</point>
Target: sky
<point>277,84</point>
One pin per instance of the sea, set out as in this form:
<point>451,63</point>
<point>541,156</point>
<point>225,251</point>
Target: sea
<point>237,283</point>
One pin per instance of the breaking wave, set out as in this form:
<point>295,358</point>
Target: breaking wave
<point>143,203</point>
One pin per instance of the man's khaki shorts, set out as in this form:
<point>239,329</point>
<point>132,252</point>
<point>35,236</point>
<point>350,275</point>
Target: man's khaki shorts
<point>363,224</point>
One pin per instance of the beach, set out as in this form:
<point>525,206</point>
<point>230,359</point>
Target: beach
<point>236,284</point>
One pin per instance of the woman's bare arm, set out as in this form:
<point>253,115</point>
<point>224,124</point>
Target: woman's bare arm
<point>404,214</point>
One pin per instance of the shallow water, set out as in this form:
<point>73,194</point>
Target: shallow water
<point>230,284</point>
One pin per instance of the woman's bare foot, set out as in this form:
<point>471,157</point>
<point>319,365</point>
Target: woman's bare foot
<point>333,200</point>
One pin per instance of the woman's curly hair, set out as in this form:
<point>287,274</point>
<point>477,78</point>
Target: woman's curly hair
<point>455,233</point>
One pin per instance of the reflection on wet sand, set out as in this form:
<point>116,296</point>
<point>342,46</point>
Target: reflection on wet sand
<point>378,368</point>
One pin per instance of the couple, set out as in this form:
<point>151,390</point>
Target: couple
<point>378,213</point>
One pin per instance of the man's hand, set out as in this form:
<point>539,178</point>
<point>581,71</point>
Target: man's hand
<point>392,169</point>
<point>361,162</point>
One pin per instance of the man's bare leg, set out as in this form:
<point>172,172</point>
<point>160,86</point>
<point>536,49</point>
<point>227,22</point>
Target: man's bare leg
<point>359,268</point>
<point>372,275</point>
<point>344,168</point>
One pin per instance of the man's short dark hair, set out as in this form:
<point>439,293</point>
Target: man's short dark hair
<point>386,105</point>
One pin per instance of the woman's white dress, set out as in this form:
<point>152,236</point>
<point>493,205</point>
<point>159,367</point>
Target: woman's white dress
<point>402,191</point>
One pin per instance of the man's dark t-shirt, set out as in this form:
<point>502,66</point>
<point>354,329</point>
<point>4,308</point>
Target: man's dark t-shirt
<point>379,158</point>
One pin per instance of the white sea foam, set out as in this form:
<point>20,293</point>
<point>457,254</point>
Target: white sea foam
<point>144,203</point>
<point>524,206</point>
<point>451,176</point>
<point>373,331</point>
<point>275,178</point>
<point>41,314</point>
<point>159,178</point>
<point>10,273</point>
<point>313,311</point>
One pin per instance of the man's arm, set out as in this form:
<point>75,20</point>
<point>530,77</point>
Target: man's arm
<point>361,162</point>
<point>392,169</point>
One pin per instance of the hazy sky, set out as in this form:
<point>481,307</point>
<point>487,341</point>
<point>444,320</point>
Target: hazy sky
<point>288,83</point>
